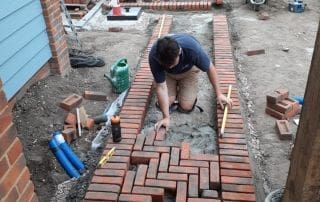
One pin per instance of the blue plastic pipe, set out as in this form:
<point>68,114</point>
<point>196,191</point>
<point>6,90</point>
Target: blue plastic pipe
<point>73,158</point>
<point>63,160</point>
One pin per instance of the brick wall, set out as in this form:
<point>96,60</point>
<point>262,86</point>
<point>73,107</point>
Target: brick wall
<point>60,63</point>
<point>15,184</point>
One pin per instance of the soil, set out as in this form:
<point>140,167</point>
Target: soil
<point>37,114</point>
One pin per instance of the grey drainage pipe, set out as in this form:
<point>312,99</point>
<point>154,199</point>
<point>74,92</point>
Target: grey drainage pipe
<point>270,196</point>
<point>254,2</point>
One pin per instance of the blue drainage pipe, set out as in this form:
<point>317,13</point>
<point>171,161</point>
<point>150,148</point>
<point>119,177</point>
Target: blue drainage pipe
<point>73,158</point>
<point>63,160</point>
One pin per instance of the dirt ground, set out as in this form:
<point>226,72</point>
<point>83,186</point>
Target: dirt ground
<point>37,114</point>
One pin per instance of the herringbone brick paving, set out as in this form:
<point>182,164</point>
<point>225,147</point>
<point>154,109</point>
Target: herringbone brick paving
<point>172,168</point>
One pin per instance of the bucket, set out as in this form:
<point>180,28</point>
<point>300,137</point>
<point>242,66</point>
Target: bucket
<point>116,10</point>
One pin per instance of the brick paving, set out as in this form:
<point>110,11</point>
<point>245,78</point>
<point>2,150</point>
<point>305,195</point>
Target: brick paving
<point>174,169</point>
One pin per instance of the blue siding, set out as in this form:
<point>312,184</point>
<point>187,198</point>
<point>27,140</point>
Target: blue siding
<point>25,41</point>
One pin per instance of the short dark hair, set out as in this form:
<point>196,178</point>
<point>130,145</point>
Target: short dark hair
<point>167,51</point>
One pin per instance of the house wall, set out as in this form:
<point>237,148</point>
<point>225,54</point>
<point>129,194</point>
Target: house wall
<point>15,182</point>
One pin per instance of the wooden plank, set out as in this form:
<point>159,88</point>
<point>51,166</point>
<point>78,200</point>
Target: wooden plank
<point>14,85</point>
<point>18,19</point>
<point>20,38</point>
<point>8,6</point>
<point>303,183</point>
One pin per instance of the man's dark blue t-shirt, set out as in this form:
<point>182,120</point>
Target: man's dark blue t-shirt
<point>191,54</point>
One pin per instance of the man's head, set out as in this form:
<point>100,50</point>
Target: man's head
<point>167,52</point>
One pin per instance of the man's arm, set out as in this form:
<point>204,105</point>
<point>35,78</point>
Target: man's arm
<point>163,99</point>
<point>213,77</point>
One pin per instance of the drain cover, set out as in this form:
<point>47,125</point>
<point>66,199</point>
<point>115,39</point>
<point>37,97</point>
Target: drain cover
<point>127,13</point>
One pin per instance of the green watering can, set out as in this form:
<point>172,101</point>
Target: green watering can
<point>119,76</point>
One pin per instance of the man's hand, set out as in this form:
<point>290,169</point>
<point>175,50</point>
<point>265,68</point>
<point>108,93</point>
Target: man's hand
<point>162,123</point>
<point>222,99</point>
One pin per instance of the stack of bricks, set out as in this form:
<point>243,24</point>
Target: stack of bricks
<point>15,184</point>
<point>174,6</point>
<point>235,172</point>
<point>145,167</point>
<point>280,106</point>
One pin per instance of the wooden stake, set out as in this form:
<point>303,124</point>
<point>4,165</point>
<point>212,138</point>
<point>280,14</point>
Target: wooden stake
<point>161,26</point>
<point>225,114</point>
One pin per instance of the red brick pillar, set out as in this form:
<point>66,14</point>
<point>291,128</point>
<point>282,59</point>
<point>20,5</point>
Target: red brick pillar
<point>15,184</point>
<point>60,63</point>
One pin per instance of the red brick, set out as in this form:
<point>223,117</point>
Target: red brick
<point>109,172</point>
<point>185,150</point>
<point>71,102</point>
<point>238,196</point>
<point>204,179</point>
<point>69,134</point>
<point>13,173</point>
<point>101,196</point>
<point>89,124</point>
<point>233,146</point>
<point>181,192</point>
<point>134,121</point>
<point>94,95</point>
<point>156,193</point>
<point>71,119</point>
<point>281,106</point>
<point>193,186</point>
<point>236,159</point>
<point>174,157</point>
<point>27,194</point>
<point>139,142</point>
<point>232,140</point>
<point>128,136</point>
<point>164,162</point>
<point>15,151</point>
<point>116,166</point>
<point>238,188</point>
<point>153,168</point>
<point>23,180</point>
<point>214,175</point>
<point>120,159</point>
<point>277,96</point>
<point>12,196</point>
<point>104,188</point>
<point>132,108</point>
<point>236,166</point>
<point>130,125</point>
<point>150,139</point>
<point>275,113</point>
<point>141,175</point>
<point>131,112</point>
<point>7,138</point>
<point>134,198</point>
<point>130,116</point>
<point>236,173</point>
<point>4,165</point>
<point>166,184</point>
<point>157,149</point>
<point>119,152</point>
<point>119,146</point>
<point>295,107</point>
<point>115,29</point>
<point>128,182</point>
<point>209,194</point>
<point>172,176</point>
<point>107,180</point>
<point>34,197</point>
<point>123,141</point>
<point>204,157</point>
<point>236,180</point>
<point>283,129</point>
<point>161,135</point>
<point>194,163</point>
<point>233,152</point>
<point>181,169</point>
<point>142,157</point>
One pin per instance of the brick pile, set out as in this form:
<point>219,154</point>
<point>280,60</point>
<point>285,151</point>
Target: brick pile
<point>162,167</point>
<point>235,172</point>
